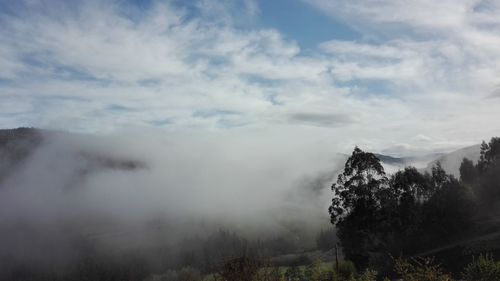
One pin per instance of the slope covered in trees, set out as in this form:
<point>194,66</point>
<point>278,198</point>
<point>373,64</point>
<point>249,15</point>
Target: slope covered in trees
<point>415,214</point>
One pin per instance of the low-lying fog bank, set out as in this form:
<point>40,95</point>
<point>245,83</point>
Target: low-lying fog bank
<point>140,190</point>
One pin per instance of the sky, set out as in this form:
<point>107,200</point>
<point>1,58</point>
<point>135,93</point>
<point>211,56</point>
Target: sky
<point>399,77</point>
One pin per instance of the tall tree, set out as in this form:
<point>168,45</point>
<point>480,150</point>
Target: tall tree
<point>468,172</point>
<point>355,204</point>
<point>488,166</point>
<point>410,189</point>
<point>448,213</point>
<point>490,153</point>
<point>363,178</point>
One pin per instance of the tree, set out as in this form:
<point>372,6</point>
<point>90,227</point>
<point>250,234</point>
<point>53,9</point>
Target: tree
<point>356,201</point>
<point>447,214</point>
<point>438,177</point>
<point>358,186</point>
<point>490,153</point>
<point>410,185</point>
<point>468,172</point>
<point>488,167</point>
<point>401,215</point>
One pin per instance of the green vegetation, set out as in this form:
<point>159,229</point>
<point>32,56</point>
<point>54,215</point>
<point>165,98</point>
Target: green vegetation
<point>419,270</point>
<point>410,213</point>
<point>483,268</point>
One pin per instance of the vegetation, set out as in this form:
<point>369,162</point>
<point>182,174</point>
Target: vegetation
<point>410,212</point>
<point>483,268</point>
<point>378,216</point>
<point>417,269</point>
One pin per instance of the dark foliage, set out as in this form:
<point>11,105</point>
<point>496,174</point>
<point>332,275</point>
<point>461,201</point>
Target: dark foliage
<point>411,212</point>
<point>241,269</point>
<point>420,270</point>
<point>484,178</point>
<point>490,153</point>
<point>356,203</point>
<point>468,171</point>
<point>483,268</point>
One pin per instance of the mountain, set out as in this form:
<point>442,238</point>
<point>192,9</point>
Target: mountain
<point>392,160</point>
<point>18,145</point>
<point>15,146</point>
<point>393,164</point>
<point>451,162</point>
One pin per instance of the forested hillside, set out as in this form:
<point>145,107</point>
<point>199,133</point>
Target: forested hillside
<point>413,214</point>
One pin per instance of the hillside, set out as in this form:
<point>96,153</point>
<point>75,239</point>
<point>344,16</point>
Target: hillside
<point>451,161</point>
<point>18,145</point>
<point>15,146</point>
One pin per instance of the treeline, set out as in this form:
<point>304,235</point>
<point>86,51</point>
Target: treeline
<point>410,213</point>
<point>192,256</point>
<point>482,268</point>
<point>484,177</point>
<point>206,253</point>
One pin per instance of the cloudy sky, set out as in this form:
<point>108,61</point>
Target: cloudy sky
<point>394,76</point>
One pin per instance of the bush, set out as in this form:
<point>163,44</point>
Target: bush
<point>294,273</point>
<point>314,272</point>
<point>368,275</point>
<point>241,269</point>
<point>346,270</point>
<point>269,273</point>
<point>483,268</point>
<point>189,274</point>
<point>420,270</point>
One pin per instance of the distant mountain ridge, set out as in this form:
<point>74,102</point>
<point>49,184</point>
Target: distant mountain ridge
<point>393,164</point>
<point>451,161</point>
<point>17,145</point>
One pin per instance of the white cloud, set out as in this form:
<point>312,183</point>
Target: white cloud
<point>420,68</point>
<point>425,14</point>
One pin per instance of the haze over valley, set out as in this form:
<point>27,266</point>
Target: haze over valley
<point>249,140</point>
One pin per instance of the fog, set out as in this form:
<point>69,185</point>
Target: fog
<point>134,189</point>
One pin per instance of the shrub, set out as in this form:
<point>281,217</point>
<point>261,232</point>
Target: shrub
<point>420,270</point>
<point>346,270</point>
<point>483,268</point>
<point>241,269</point>
<point>189,274</point>
<point>294,273</point>
<point>368,275</point>
<point>314,272</point>
<point>269,273</point>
